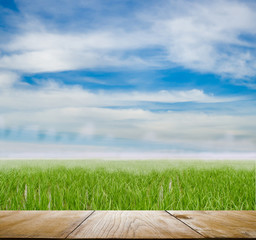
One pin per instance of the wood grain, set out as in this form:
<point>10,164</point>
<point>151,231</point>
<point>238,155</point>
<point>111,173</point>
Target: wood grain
<point>133,224</point>
<point>220,224</point>
<point>39,224</point>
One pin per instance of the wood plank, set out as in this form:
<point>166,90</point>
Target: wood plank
<point>133,224</point>
<point>40,224</point>
<point>220,224</point>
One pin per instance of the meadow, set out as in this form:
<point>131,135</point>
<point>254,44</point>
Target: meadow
<point>127,185</point>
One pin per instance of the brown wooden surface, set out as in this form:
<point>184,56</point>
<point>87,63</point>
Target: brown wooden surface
<point>220,224</point>
<point>39,224</point>
<point>127,224</point>
<point>133,224</point>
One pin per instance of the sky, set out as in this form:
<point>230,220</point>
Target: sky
<point>127,79</point>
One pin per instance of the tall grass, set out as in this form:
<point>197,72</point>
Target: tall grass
<point>140,185</point>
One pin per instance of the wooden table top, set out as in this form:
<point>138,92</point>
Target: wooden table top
<point>127,224</point>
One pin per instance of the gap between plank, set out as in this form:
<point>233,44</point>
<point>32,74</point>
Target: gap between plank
<point>185,223</point>
<point>80,224</point>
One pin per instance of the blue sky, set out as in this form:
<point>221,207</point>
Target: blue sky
<point>127,79</point>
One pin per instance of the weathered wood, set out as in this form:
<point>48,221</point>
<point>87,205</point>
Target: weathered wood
<point>127,224</point>
<point>132,224</point>
<point>39,224</point>
<point>220,224</point>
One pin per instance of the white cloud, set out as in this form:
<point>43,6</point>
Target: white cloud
<point>8,79</point>
<point>50,52</point>
<point>51,95</point>
<point>88,130</point>
<point>53,108</point>
<point>205,36</point>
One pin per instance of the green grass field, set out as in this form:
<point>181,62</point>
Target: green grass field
<point>127,185</point>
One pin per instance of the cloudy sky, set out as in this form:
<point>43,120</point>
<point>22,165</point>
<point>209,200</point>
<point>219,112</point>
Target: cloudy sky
<point>127,78</point>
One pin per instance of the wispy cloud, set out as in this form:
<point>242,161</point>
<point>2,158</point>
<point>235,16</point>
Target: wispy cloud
<point>53,95</point>
<point>204,36</point>
<point>75,110</point>
<point>216,38</point>
<point>210,36</point>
